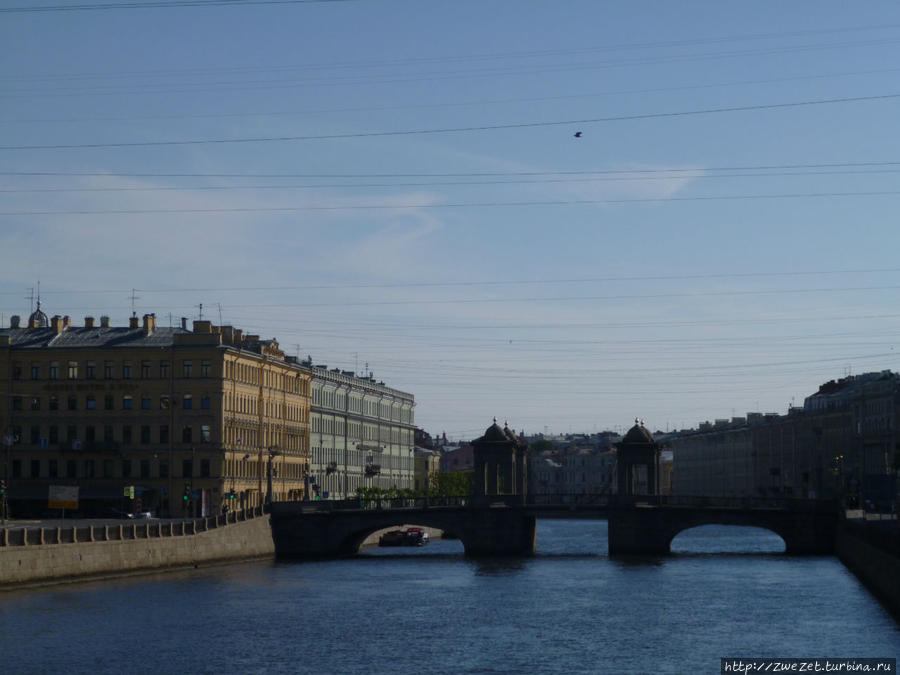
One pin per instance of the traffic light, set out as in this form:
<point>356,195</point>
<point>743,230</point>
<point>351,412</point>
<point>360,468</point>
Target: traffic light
<point>231,495</point>
<point>2,487</point>
<point>187,492</point>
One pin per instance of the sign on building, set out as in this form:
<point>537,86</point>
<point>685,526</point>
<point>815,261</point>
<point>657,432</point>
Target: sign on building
<point>63,497</point>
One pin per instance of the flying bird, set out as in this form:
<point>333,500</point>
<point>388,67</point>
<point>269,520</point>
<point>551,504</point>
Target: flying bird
<point>577,134</point>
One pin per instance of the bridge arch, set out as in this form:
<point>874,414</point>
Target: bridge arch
<point>712,538</point>
<point>651,530</point>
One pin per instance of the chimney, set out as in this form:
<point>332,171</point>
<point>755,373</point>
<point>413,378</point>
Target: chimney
<point>203,326</point>
<point>238,336</point>
<point>184,323</point>
<point>56,324</point>
<point>88,322</point>
<point>133,322</point>
<point>66,322</point>
<point>228,335</point>
<point>104,322</point>
<point>149,323</point>
<point>14,321</point>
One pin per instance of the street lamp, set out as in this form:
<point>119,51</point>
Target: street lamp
<point>273,452</point>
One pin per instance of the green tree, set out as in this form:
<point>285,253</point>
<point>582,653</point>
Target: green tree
<point>450,483</point>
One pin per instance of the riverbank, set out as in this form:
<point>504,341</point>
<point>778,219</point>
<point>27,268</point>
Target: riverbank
<point>65,554</point>
<point>871,550</point>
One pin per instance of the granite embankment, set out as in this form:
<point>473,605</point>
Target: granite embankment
<point>59,554</point>
<point>871,550</point>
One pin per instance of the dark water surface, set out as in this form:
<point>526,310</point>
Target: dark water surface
<point>570,609</point>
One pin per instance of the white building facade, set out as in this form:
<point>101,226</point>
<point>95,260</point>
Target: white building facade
<point>361,434</point>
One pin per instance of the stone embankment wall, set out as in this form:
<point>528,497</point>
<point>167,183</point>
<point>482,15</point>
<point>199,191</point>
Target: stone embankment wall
<point>872,552</point>
<point>32,555</point>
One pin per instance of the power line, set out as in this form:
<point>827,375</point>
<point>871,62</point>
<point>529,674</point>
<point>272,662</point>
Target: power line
<point>488,127</point>
<point>400,207</point>
<point>419,174</point>
<point>146,4</point>
<point>699,174</point>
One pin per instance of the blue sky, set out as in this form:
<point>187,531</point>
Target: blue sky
<point>398,184</point>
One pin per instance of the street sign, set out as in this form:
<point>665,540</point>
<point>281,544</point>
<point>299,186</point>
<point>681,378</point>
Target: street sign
<point>63,497</point>
<point>128,492</point>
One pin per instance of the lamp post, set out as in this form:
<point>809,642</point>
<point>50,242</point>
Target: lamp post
<point>273,451</point>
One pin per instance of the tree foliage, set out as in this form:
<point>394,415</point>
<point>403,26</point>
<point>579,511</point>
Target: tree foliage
<point>450,483</point>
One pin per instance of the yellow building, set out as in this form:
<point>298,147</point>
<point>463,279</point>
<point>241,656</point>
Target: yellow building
<point>195,420</point>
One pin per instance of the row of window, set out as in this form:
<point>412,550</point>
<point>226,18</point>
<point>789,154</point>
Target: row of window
<point>292,381</point>
<point>337,400</point>
<point>109,402</point>
<point>112,369</point>
<point>107,468</point>
<point>90,435</point>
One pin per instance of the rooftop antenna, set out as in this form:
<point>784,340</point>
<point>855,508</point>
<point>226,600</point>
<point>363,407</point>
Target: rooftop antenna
<point>356,367</point>
<point>170,319</point>
<point>133,298</point>
<point>201,311</point>
<point>219,305</point>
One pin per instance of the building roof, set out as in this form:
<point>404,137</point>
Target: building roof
<point>79,336</point>
<point>638,434</point>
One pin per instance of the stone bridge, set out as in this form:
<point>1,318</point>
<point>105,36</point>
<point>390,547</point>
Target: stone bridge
<point>506,525</point>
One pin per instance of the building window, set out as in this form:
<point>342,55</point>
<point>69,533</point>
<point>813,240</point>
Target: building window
<point>53,402</point>
<point>163,469</point>
<point>90,370</point>
<point>71,469</point>
<point>145,468</point>
<point>35,435</point>
<point>145,369</point>
<point>35,372</point>
<point>164,433</point>
<point>187,368</point>
<point>17,468</point>
<point>17,403</point>
<point>187,468</point>
<point>90,434</point>
<point>126,434</point>
<point>35,402</point>
<point>204,368</point>
<point>186,436</point>
<point>90,402</point>
<point>108,370</point>
<point>145,402</point>
<point>108,402</point>
<point>188,402</point>
<point>72,402</point>
<point>108,433</point>
<point>205,402</point>
<point>145,435</point>
<point>164,369</point>
<point>88,468</point>
<point>35,468</point>
<point>126,370</point>
<point>73,370</point>
<point>54,434</point>
<point>204,433</point>
<point>17,372</point>
<point>126,468</point>
<point>71,433</point>
<point>52,468</point>
<point>54,370</point>
<point>204,468</point>
<point>108,468</point>
<point>127,402</point>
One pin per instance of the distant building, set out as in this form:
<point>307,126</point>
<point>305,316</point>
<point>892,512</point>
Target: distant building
<point>427,462</point>
<point>843,441</point>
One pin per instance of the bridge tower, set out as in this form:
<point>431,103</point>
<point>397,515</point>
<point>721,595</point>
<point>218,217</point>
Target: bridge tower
<point>501,463</point>
<point>637,462</point>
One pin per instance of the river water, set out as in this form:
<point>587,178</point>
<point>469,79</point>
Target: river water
<point>725,592</point>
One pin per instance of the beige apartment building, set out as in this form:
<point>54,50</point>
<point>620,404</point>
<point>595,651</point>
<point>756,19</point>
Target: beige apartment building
<point>194,420</point>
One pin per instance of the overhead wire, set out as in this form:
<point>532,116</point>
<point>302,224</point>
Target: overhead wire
<point>463,129</point>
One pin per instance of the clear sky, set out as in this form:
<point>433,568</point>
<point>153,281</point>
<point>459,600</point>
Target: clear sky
<point>396,185</point>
